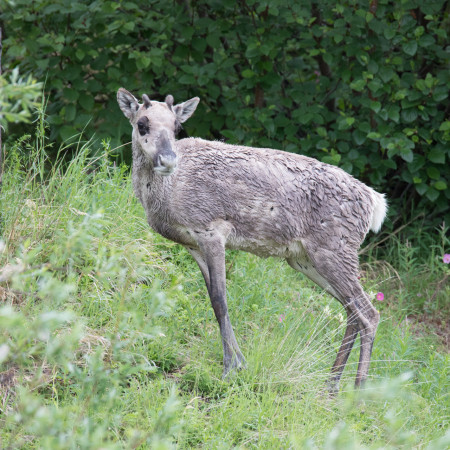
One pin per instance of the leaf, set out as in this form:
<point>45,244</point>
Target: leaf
<point>426,40</point>
<point>372,66</point>
<point>338,38</point>
<point>375,85</point>
<point>407,154</point>
<point>419,31</point>
<point>51,9</point>
<point>375,106</point>
<point>433,173</point>
<point>129,26</point>
<point>79,54</point>
<point>393,113</point>
<point>359,137</point>
<point>440,185</point>
<point>143,61</point>
<point>445,126</point>
<point>409,115</point>
<point>389,32</point>
<point>67,132</point>
<point>305,118</point>
<point>70,94</point>
<point>350,121</point>
<point>346,123</point>
<point>362,57</point>
<point>432,194</point>
<point>322,144</point>
<point>213,40</point>
<point>386,74</point>
<point>71,110</point>
<point>383,114</point>
<point>410,48</point>
<point>86,101</point>
<point>420,84</point>
<point>186,79</point>
<point>429,81</point>
<point>353,154</point>
<point>358,85</point>
<point>247,73</point>
<point>440,93</point>
<point>321,131</point>
<point>390,163</point>
<point>436,155</point>
<point>422,188</point>
<point>374,135</point>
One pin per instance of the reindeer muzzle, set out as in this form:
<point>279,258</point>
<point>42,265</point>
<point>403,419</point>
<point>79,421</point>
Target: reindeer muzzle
<point>165,160</point>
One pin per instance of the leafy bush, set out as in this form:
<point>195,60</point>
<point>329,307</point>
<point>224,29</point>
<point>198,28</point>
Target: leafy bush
<point>358,84</point>
<point>77,311</point>
<point>18,98</point>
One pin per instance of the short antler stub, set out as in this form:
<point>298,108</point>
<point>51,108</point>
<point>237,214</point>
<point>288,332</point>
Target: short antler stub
<point>146,100</point>
<point>169,101</point>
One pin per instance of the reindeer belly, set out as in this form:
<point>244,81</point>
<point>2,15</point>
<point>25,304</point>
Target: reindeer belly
<point>265,247</point>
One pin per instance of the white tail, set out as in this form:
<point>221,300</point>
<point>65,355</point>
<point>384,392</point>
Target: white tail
<point>379,212</point>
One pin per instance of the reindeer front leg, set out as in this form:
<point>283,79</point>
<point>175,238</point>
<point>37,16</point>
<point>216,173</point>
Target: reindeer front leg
<point>211,254</point>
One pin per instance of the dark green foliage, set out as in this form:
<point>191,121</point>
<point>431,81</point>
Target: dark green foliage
<point>363,85</point>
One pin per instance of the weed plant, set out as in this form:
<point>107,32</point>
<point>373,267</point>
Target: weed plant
<point>107,338</point>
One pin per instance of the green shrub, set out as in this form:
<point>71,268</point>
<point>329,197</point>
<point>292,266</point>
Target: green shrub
<point>77,311</point>
<point>18,98</point>
<point>358,84</point>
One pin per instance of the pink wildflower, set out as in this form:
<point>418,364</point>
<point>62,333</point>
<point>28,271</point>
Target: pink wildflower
<point>281,317</point>
<point>446,258</point>
<point>380,296</point>
<point>317,74</point>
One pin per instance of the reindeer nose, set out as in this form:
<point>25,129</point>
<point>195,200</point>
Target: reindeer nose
<point>167,161</point>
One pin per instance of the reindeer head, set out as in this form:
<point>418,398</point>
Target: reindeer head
<point>155,125</point>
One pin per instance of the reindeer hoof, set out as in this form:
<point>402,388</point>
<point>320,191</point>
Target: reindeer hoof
<point>333,387</point>
<point>238,363</point>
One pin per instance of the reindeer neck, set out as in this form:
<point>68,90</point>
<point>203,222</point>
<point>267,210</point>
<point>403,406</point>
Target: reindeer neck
<point>148,187</point>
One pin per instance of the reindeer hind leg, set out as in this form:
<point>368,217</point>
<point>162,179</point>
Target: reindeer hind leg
<point>338,274</point>
<point>351,332</point>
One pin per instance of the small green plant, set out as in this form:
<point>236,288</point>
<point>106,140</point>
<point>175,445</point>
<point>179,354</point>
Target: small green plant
<point>18,98</point>
<point>80,312</point>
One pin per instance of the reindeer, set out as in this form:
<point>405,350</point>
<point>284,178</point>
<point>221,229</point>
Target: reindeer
<point>209,195</point>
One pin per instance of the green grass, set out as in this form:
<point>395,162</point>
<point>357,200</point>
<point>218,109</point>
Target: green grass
<point>107,338</point>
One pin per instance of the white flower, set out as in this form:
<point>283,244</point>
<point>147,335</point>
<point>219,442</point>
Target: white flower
<point>30,204</point>
<point>11,269</point>
<point>4,351</point>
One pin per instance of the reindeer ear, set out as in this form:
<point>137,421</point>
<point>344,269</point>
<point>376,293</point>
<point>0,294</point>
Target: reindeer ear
<point>127,102</point>
<point>185,110</point>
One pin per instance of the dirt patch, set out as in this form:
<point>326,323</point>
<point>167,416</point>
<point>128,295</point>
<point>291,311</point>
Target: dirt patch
<point>425,325</point>
<point>35,378</point>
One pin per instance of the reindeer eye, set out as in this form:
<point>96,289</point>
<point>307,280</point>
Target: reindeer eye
<point>143,126</point>
<point>142,129</point>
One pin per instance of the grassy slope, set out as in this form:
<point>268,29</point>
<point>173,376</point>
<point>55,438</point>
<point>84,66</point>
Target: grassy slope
<point>110,340</point>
